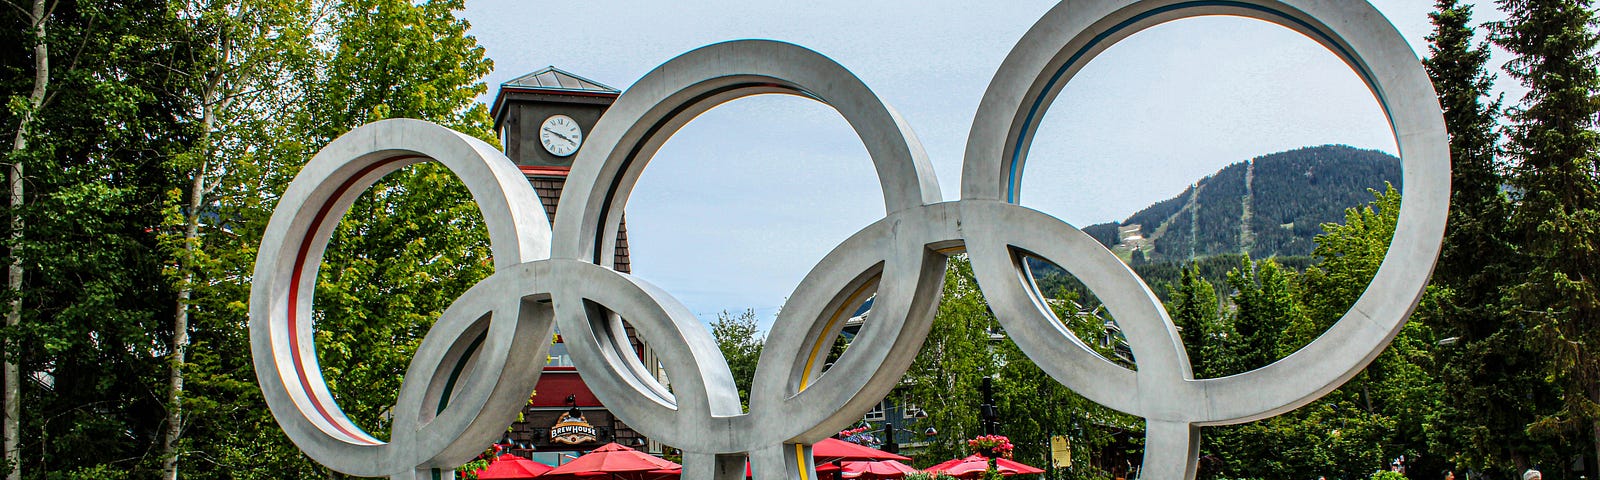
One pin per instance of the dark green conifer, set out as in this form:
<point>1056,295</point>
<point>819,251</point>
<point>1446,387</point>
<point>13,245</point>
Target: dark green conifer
<point>1488,367</point>
<point>1554,150</point>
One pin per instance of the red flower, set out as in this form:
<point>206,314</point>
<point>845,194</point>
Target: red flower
<point>991,443</point>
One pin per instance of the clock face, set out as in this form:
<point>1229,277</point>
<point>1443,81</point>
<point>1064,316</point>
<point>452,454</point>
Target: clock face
<point>560,135</point>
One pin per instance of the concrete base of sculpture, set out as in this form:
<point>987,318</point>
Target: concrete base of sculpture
<point>476,366</point>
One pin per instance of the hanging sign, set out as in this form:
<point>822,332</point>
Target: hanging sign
<point>573,431</point>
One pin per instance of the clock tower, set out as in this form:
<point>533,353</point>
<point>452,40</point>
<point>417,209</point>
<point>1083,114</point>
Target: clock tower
<point>543,119</point>
<point>544,116</point>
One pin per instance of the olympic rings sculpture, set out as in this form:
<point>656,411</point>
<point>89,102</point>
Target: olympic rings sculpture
<point>474,369</point>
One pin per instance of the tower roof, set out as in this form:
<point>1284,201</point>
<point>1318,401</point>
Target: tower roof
<point>552,78</point>
<point>550,84</point>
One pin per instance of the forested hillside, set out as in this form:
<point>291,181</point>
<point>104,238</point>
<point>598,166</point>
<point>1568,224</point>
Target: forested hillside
<point>1268,206</point>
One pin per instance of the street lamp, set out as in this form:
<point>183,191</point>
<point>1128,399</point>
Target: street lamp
<point>989,415</point>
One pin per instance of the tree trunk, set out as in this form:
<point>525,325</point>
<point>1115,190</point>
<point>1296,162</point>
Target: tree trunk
<point>180,320</point>
<point>13,374</point>
<point>1594,461</point>
<point>1594,432</point>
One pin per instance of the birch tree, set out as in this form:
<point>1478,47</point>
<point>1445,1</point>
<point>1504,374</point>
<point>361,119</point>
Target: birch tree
<point>37,15</point>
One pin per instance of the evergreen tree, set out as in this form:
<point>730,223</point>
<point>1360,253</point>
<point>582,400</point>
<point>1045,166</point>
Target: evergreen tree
<point>1555,173</point>
<point>1264,308</point>
<point>1379,415</point>
<point>1491,383</point>
<point>1195,310</point>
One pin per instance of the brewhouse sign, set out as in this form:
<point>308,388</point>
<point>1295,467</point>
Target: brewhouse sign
<point>571,430</point>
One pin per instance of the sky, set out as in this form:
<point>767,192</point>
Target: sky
<point>738,206</point>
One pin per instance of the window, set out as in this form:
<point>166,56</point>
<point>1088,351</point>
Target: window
<point>912,411</point>
<point>876,414</point>
<point>558,356</point>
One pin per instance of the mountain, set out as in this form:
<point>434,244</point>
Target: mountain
<point>1272,205</point>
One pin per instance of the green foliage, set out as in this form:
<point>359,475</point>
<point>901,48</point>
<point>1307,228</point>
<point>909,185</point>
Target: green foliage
<point>945,376</point>
<point>415,240</point>
<point>1210,223</point>
<point>928,476</point>
<point>1265,305</point>
<point>1195,311</point>
<point>90,340</point>
<point>395,263</point>
<point>960,351</point>
<point>992,473</point>
<point>1554,142</point>
<point>1381,414</point>
<point>740,342</point>
<point>146,94</point>
<point>397,58</point>
<point>1349,255</point>
<point>1161,276</point>
<point>251,58</point>
<point>1388,475</point>
<point>1296,192</point>
<point>1033,407</point>
<point>1494,386</point>
<point>109,166</point>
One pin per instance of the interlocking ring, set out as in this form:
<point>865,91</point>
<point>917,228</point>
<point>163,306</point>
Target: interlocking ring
<point>1163,390</point>
<point>792,399</point>
<point>470,375</point>
<point>898,260</point>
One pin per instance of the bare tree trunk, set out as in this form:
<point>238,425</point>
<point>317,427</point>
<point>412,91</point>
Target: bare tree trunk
<point>210,102</point>
<point>180,320</point>
<point>13,375</point>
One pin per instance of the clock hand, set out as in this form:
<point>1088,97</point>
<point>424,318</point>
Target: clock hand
<point>563,137</point>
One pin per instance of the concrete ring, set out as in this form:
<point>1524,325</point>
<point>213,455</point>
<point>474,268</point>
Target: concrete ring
<point>617,151</point>
<point>1062,42</point>
<point>282,338</point>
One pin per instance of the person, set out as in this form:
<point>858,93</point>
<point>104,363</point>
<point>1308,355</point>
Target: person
<point>1449,475</point>
<point>1532,474</point>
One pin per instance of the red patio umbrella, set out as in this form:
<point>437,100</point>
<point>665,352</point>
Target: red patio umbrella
<point>663,474</point>
<point>821,468</point>
<point>508,466</point>
<point>879,469</point>
<point>614,461</point>
<point>831,449</point>
<point>975,465</point>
